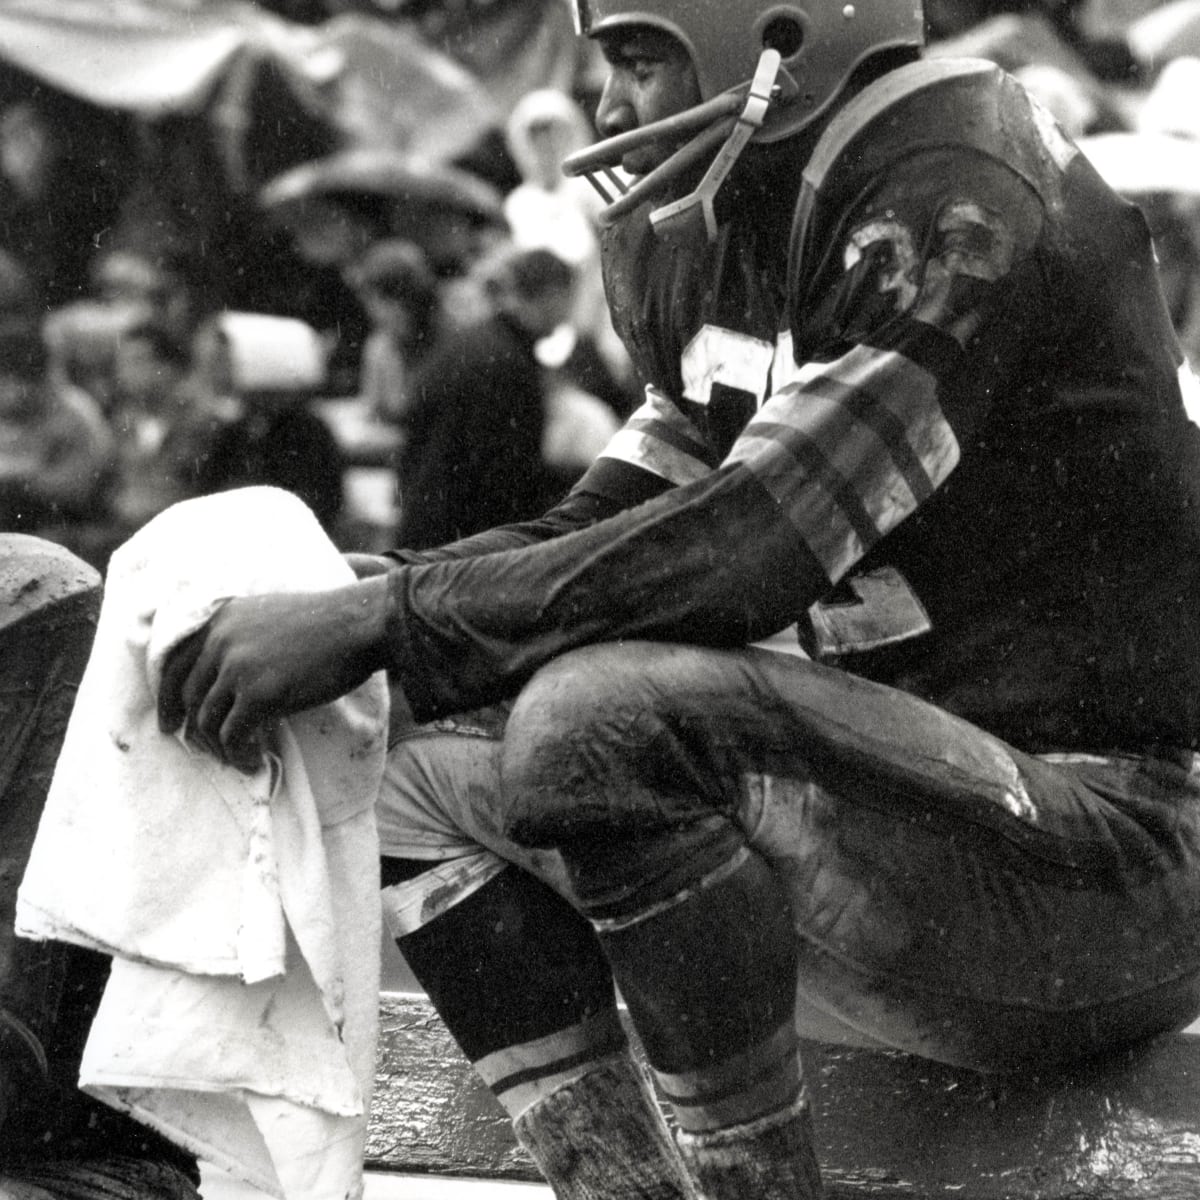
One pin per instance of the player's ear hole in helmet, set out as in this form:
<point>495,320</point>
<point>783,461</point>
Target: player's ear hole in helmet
<point>784,33</point>
<point>765,71</point>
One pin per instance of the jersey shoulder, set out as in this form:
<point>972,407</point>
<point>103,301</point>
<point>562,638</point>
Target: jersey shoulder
<point>946,159</point>
<point>938,104</point>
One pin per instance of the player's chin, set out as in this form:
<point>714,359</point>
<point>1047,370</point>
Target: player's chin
<point>643,160</point>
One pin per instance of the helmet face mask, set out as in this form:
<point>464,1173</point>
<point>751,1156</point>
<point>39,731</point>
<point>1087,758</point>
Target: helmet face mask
<point>819,44</point>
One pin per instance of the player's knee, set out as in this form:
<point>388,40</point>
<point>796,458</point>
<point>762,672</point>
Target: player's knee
<point>581,722</point>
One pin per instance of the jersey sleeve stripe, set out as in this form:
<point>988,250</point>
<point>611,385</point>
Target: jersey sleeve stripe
<point>660,439</point>
<point>820,503</point>
<point>881,493</point>
<point>897,399</point>
<point>853,427</point>
<point>871,417</point>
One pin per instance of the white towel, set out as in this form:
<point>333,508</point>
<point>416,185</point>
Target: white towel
<point>242,911</point>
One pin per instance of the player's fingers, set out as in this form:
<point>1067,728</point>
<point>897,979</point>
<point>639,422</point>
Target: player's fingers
<point>209,698</point>
<point>241,736</point>
<point>177,667</point>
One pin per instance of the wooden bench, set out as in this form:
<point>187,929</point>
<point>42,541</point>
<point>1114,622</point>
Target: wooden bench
<point>889,1126</point>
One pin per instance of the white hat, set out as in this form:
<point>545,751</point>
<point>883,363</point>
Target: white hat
<point>272,354</point>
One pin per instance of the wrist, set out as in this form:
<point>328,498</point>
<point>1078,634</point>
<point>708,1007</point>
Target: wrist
<point>370,621</point>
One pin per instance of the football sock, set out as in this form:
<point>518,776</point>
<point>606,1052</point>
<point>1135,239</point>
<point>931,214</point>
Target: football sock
<point>707,966</point>
<point>520,981</point>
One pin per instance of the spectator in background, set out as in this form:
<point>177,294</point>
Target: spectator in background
<point>165,426</point>
<point>47,210</point>
<point>56,451</point>
<point>29,152</point>
<point>473,448</point>
<point>319,239</point>
<point>550,210</point>
<point>158,285</point>
<point>399,292</point>
<point>126,288</point>
<point>335,208</point>
<point>267,369</point>
<point>126,278</point>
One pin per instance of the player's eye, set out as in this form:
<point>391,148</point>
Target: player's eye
<point>643,69</point>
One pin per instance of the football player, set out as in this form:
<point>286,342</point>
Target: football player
<point>913,423</point>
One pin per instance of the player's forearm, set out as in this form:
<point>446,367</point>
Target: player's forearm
<point>711,564</point>
<point>607,489</point>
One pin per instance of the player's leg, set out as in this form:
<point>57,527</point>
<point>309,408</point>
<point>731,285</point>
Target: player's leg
<point>698,929</point>
<point>516,974</point>
<point>959,899</point>
<point>695,922</point>
<point>945,893</point>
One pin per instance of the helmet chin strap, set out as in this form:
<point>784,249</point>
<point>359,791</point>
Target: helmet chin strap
<point>722,128</point>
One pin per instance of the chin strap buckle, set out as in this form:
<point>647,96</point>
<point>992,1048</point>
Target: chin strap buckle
<point>670,219</point>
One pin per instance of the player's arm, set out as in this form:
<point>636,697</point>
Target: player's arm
<point>263,657</point>
<point>727,554</point>
<point>929,287</point>
<point>607,487</point>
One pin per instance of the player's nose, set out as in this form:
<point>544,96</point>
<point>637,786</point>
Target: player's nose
<point>615,113</point>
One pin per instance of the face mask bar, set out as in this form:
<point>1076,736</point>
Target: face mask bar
<point>726,124</point>
<point>598,162</point>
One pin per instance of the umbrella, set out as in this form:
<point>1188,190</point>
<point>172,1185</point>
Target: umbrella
<point>396,90</point>
<point>397,178</point>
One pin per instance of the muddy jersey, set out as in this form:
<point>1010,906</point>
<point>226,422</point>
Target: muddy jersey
<point>937,421</point>
<point>1000,380</point>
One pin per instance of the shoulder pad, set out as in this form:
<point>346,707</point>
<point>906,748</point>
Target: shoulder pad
<point>879,97</point>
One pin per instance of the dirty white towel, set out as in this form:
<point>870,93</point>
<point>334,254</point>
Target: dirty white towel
<point>243,911</point>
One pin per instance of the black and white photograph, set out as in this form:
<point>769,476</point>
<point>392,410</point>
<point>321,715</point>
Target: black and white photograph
<point>599,601</point>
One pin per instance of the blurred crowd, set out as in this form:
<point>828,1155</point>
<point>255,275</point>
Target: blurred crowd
<point>418,348</point>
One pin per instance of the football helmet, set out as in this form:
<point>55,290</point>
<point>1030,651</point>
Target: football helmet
<point>765,71</point>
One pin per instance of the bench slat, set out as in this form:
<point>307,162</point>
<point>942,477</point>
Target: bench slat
<point>889,1126</point>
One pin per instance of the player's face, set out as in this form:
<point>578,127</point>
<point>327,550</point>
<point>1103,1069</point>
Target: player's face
<point>650,77</point>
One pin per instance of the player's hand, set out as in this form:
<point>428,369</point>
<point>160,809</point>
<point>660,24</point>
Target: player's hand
<point>263,657</point>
